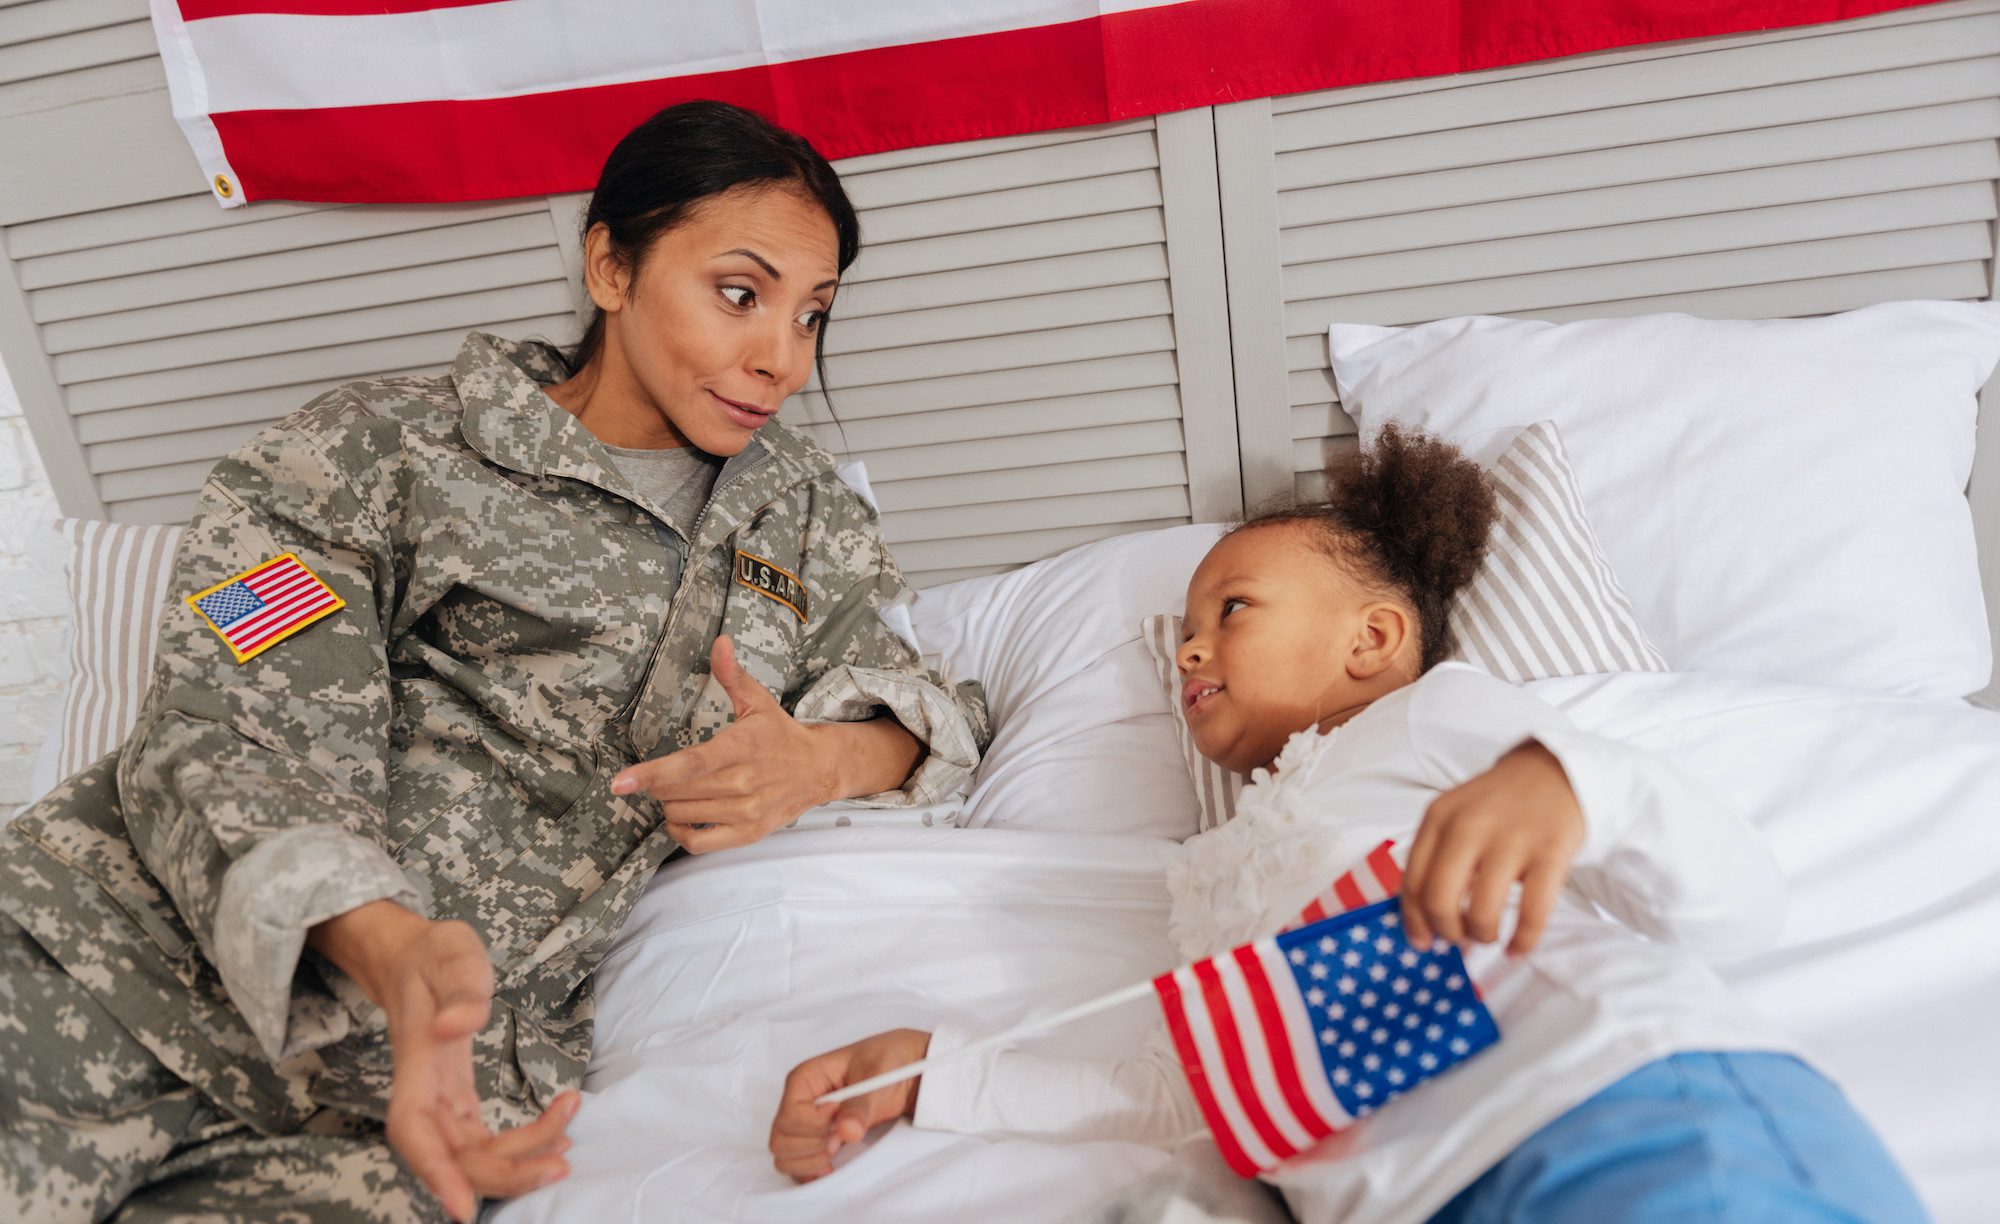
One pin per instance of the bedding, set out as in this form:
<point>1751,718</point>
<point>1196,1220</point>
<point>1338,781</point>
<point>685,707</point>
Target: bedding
<point>739,964</point>
<point>1780,497</point>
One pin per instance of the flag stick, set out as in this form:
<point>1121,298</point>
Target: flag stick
<point>1138,990</point>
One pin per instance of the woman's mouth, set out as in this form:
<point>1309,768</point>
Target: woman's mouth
<point>749,416</point>
<point>1197,695</point>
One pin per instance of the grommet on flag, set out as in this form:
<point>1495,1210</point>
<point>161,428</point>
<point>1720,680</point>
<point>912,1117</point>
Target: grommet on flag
<point>223,187</point>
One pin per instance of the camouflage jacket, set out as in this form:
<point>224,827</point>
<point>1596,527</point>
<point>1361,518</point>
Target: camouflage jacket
<point>513,634</point>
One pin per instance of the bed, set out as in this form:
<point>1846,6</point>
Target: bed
<point>738,965</point>
<point>1077,376</point>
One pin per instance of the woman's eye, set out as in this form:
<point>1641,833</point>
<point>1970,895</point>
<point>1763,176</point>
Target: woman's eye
<point>749,295</point>
<point>812,320</point>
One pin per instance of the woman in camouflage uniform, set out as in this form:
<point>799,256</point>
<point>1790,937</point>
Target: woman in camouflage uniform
<point>544,623</point>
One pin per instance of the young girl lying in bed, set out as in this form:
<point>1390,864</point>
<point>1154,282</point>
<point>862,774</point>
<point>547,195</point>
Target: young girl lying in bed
<point>1626,1085</point>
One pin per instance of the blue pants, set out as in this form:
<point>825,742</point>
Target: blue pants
<point>1699,1139</point>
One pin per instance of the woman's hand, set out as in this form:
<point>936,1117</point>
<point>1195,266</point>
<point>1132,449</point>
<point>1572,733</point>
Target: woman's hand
<point>804,1136</point>
<point>435,981</point>
<point>1518,821</point>
<point>758,773</point>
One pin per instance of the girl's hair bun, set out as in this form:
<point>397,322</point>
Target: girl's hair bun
<point>1411,514</point>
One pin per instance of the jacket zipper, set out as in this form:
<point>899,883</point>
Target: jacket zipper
<point>675,604</point>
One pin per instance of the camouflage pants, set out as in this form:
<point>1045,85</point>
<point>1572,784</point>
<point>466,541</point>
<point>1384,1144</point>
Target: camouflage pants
<point>92,1127</point>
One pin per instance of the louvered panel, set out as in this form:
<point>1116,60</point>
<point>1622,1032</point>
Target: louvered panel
<point>178,319</point>
<point>246,411</point>
<point>1679,118</point>
<point>185,214</point>
<point>1134,265</point>
<point>57,299</point>
<point>918,428</point>
<point>24,23</point>
<point>76,50</point>
<point>1056,480</point>
<point>1526,293</point>
<point>171,509</point>
<point>220,346</point>
<point>1016,351</point>
<point>181,446</point>
<point>1008,351</point>
<point>1645,161</point>
<point>334,363</point>
<point>937,155</point>
<point>1005,246</point>
<point>1969,166</point>
<point>918,559</point>
<point>971,175</point>
<point>1035,514</point>
<point>1825,295</point>
<point>1005,317</point>
<point>991,387</point>
<point>1024,451</point>
<point>1835,53</point>
<point>1769,176</point>
<point>1309,480</point>
<point>1930,207</point>
<point>1014,206</point>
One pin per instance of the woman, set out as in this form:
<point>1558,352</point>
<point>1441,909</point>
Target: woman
<point>460,661</point>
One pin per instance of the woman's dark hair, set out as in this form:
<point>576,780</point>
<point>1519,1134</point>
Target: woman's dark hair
<point>1409,516</point>
<point>683,155</point>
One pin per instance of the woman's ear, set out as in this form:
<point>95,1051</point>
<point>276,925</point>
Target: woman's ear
<point>1378,643</point>
<point>605,276</point>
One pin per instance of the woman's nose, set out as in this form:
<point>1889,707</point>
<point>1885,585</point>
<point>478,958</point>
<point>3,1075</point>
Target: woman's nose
<point>773,357</point>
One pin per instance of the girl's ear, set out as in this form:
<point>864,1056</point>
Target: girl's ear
<point>1378,644</point>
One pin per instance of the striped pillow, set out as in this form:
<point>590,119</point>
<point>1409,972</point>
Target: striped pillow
<point>1214,787</point>
<point>119,580</point>
<point>1544,603</point>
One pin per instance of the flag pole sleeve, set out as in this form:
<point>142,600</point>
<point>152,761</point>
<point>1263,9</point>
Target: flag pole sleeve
<point>911,1070</point>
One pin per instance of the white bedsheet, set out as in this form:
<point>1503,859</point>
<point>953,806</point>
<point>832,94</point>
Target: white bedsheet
<point>1885,811</point>
<point>737,966</point>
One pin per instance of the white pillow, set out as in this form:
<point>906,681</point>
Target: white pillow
<point>1082,741</point>
<point>1782,498</point>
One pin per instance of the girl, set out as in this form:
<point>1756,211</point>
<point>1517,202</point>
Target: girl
<point>1626,1086</point>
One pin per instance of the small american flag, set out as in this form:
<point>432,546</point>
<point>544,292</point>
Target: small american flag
<point>264,605</point>
<point>1290,1039</point>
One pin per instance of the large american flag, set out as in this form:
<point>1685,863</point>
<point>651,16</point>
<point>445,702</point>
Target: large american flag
<point>1290,1039</point>
<point>262,606</point>
<point>421,100</point>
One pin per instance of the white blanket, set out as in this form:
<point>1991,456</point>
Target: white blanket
<point>1885,812</point>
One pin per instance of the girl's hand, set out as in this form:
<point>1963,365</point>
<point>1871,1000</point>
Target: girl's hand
<point>804,1136</point>
<point>753,777</point>
<point>1518,821</point>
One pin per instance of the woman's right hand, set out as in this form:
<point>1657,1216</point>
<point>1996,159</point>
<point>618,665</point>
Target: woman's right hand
<point>435,981</point>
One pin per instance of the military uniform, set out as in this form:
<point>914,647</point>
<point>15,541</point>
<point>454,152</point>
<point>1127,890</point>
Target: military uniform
<point>518,625</point>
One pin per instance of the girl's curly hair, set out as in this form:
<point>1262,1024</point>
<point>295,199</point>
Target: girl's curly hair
<point>1410,517</point>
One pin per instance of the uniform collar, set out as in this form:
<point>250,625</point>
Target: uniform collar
<point>510,419</point>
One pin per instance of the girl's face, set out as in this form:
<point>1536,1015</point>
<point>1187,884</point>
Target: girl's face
<point>1279,638</point>
<point>720,325</point>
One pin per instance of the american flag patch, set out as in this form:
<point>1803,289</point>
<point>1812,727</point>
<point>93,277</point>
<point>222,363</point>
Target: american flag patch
<point>264,605</point>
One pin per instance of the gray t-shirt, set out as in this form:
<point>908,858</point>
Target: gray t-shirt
<point>676,479</point>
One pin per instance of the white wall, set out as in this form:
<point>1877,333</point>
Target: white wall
<point>31,602</point>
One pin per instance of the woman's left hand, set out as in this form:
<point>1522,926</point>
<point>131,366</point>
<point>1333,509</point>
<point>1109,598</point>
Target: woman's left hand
<point>754,776</point>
